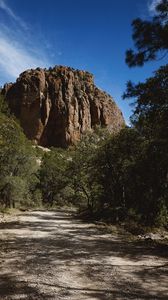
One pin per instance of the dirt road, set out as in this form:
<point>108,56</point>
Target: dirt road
<point>51,255</point>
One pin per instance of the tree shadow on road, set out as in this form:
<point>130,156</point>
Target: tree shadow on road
<point>10,286</point>
<point>69,244</point>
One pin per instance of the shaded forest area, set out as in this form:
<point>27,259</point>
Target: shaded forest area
<point>117,178</point>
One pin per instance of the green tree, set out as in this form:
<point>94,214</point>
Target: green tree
<point>14,190</point>
<point>17,163</point>
<point>150,114</point>
<point>131,171</point>
<point>53,176</point>
<point>83,170</point>
<point>151,104</point>
<point>150,37</point>
<point>116,159</point>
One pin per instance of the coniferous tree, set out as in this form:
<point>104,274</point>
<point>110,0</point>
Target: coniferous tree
<point>150,37</point>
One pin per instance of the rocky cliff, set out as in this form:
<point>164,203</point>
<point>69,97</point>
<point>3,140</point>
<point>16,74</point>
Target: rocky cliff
<point>56,106</point>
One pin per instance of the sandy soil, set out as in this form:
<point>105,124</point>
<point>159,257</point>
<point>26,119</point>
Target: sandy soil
<point>51,255</point>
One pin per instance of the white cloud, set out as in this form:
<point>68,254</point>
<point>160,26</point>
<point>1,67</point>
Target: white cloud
<point>14,59</point>
<point>19,50</point>
<point>152,6</point>
<point>10,12</point>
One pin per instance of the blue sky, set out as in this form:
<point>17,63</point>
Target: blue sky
<point>91,35</point>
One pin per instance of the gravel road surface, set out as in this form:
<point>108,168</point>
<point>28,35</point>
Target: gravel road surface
<point>52,255</point>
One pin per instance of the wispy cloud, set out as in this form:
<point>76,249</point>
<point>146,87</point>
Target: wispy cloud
<point>19,50</point>
<point>152,6</point>
<point>14,59</point>
<point>5,7</point>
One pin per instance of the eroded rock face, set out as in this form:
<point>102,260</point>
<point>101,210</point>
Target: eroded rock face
<point>56,106</point>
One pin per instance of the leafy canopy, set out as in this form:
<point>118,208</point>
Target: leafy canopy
<point>150,37</point>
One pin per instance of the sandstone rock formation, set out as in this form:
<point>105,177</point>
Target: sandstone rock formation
<point>56,106</point>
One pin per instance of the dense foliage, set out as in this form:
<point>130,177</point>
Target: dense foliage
<point>18,167</point>
<point>117,178</point>
<point>53,177</point>
<point>151,105</point>
<point>150,37</point>
<point>150,116</point>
